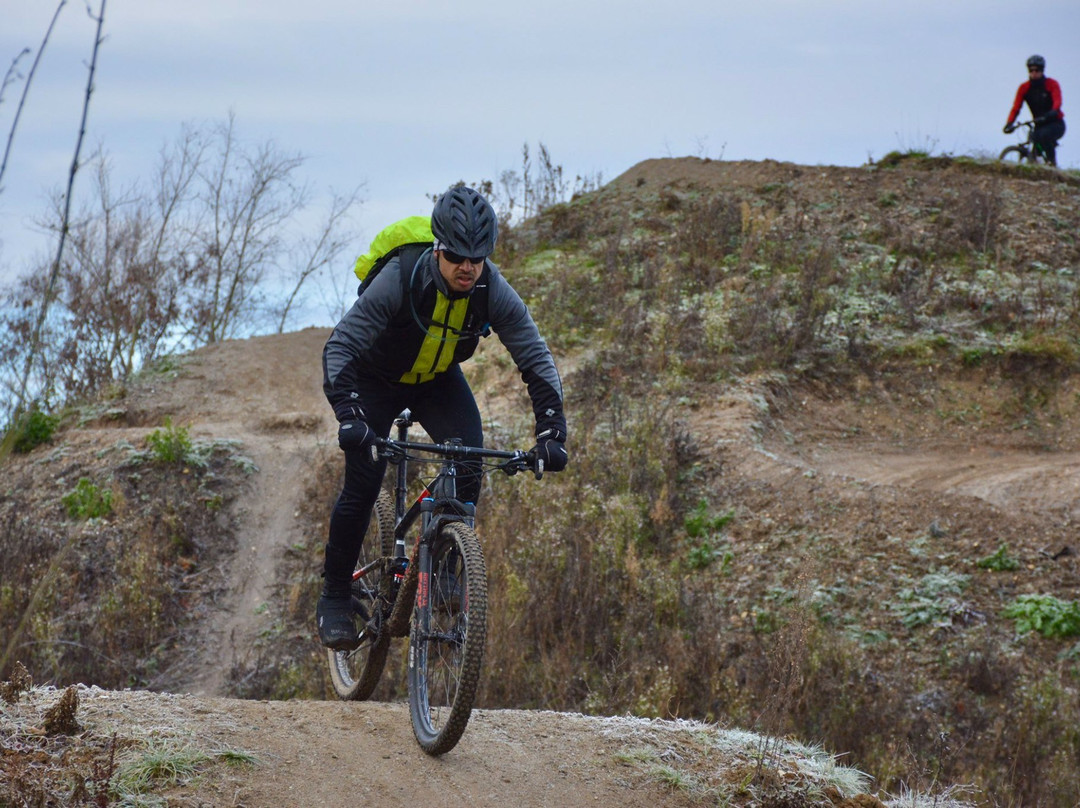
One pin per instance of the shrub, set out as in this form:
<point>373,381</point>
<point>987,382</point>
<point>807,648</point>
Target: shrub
<point>88,501</point>
<point>33,428</point>
<point>170,444</point>
<point>1045,614</point>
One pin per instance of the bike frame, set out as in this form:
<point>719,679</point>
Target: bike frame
<point>402,598</point>
<point>437,503</point>
<point>439,497</point>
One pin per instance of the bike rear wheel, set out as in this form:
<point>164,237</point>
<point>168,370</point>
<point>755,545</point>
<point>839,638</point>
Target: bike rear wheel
<point>446,640</point>
<point>355,674</point>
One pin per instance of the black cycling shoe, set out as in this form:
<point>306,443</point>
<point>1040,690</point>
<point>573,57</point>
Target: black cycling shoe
<point>334,617</point>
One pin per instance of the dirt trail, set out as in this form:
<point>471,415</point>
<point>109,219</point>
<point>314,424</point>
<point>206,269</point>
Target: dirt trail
<point>266,393</point>
<point>1008,479</point>
<point>328,753</point>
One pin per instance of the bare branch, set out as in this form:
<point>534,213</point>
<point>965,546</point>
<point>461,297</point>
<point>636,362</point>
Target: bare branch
<point>45,301</point>
<point>26,88</point>
<point>12,72</point>
<point>249,199</point>
<point>321,251</point>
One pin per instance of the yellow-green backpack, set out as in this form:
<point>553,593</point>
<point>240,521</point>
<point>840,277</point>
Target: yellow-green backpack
<point>411,234</point>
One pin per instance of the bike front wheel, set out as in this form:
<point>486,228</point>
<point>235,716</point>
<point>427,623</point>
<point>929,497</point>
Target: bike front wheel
<point>355,674</point>
<point>446,639</point>
<point>1016,154</point>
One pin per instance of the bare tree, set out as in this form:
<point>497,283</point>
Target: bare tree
<point>313,255</point>
<point>181,261</point>
<point>122,278</point>
<point>248,198</point>
<point>28,349</point>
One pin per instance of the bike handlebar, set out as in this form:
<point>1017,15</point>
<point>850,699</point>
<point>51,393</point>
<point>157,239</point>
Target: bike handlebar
<point>513,462</point>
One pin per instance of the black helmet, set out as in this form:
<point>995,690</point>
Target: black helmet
<point>1036,61</point>
<point>464,222</point>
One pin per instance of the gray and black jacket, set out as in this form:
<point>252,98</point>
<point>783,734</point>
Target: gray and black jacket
<point>407,328</point>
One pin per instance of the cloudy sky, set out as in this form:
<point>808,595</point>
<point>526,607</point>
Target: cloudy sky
<point>410,96</point>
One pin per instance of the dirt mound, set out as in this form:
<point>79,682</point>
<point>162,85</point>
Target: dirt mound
<point>941,460</point>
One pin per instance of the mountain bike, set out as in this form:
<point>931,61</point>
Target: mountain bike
<point>1028,151</point>
<point>435,592</point>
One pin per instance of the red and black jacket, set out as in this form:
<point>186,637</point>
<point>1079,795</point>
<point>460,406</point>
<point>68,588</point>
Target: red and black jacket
<point>1043,97</point>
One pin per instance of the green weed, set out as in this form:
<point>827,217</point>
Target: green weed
<point>974,356</point>
<point>999,561</point>
<point>170,444</point>
<point>703,555</point>
<point>930,602</point>
<point>165,763</point>
<point>88,501</point>
<point>1045,614</point>
<point>766,622</point>
<point>699,523</point>
<point>213,502</point>
<point>237,757</point>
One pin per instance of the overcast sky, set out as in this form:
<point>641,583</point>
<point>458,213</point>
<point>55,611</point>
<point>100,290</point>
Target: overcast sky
<point>410,96</point>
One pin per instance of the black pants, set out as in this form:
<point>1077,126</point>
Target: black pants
<point>1047,135</point>
<point>445,408</point>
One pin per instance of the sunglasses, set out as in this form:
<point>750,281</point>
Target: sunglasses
<point>454,258</point>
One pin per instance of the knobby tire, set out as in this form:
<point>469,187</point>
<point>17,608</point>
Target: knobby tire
<point>1015,154</point>
<point>355,674</point>
<point>445,661</point>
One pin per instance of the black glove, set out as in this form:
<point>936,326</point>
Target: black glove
<point>355,434</point>
<point>551,448</point>
<point>1009,128</point>
<point>353,431</point>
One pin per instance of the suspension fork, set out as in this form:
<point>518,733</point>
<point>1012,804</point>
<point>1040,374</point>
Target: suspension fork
<point>400,488</point>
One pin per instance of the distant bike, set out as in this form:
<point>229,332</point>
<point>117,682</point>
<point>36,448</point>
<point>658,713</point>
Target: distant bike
<point>434,592</point>
<point>1028,151</point>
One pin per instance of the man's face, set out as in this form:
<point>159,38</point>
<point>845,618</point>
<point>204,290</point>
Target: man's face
<point>1035,73</point>
<point>460,272</point>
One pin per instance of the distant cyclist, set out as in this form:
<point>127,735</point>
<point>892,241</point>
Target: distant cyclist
<point>1043,97</point>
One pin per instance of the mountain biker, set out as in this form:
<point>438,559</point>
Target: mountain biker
<point>400,346</point>
<point>1043,97</point>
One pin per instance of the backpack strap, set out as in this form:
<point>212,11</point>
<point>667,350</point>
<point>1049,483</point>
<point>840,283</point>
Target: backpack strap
<point>478,305</point>
<point>408,255</point>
